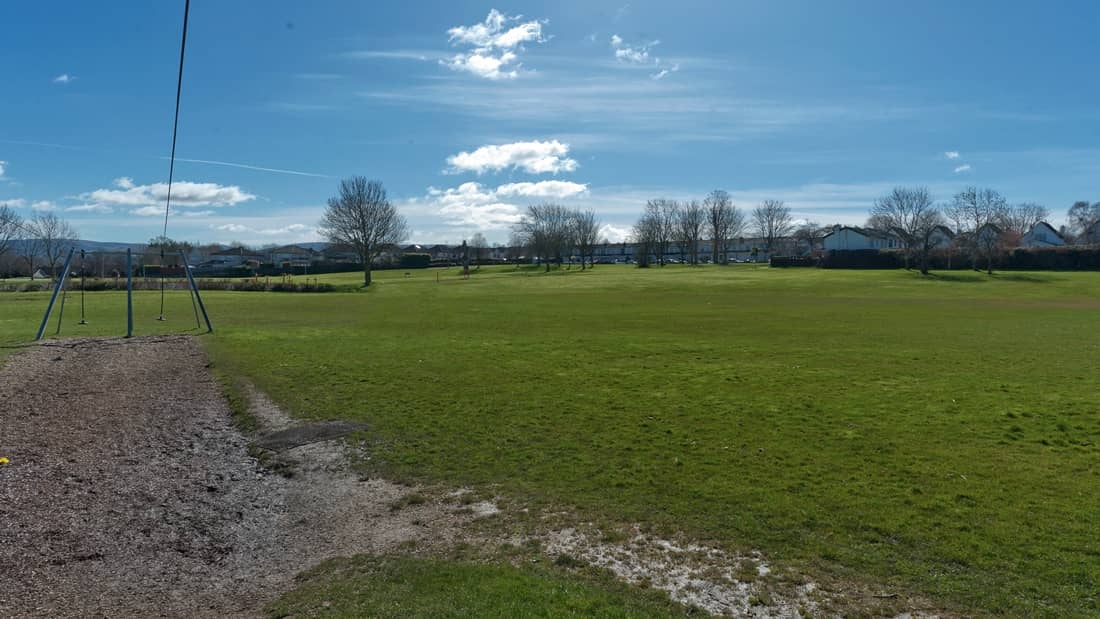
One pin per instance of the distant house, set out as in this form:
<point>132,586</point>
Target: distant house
<point>850,237</point>
<point>339,252</point>
<point>1042,234</point>
<point>231,257</point>
<point>295,255</point>
<point>942,237</point>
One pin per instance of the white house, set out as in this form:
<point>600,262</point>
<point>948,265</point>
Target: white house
<point>848,237</point>
<point>1042,234</point>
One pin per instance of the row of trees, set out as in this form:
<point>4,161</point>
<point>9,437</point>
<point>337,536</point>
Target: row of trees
<point>686,225</point>
<point>44,237</point>
<point>552,231</point>
<point>980,219</point>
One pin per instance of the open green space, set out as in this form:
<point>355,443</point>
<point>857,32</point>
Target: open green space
<point>936,435</point>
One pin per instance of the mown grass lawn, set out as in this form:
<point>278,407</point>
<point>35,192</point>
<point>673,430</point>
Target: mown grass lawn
<point>934,434</point>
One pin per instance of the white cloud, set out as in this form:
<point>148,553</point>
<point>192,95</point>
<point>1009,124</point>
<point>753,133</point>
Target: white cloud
<point>614,234</point>
<point>291,229</point>
<point>43,205</point>
<point>64,78</point>
<point>963,168</point>
<point>951,154</point>
<point>542,189</point>
<point>102,209</point>
<point>632,54</point>
<point>2,164</point>
<point>535,157</point>
<point>494,49</point>
<point>148,199</point>
<point>14,203</point>
<point>474,205</point>
<point>664,72</point>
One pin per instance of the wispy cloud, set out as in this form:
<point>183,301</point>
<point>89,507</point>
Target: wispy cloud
<point>14,203</point>
<point>245,166</point>
<point>963,168</point>
<point>2,164</point>
<point>494,49</point>
<point>664,72</point>
<point>64,78</point>
<point>396,54</point>
<point>535,157</point>
<point>635,54</point>
<point>318,76</point>
<point>43,206</point>
<point>951,154</point>
<point>101,209</point>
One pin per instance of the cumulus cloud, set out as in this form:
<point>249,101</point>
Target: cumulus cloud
<point>535,157</point>
<point>14,203</point>
<point>148,199</point>
<point>472,204</point>
<point>963,168</point>
<point>615,234</point>
<point>951,154</point>
<point>64,78</point>
<point>542,189</point>
<point>494,47</point>
<point>43,205</point>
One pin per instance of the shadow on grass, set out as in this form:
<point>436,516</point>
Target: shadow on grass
<point>983,277</point>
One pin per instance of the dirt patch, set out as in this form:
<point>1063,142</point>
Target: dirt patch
<point>129,492</point>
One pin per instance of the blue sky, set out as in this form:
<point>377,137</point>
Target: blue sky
<point>468,112</point>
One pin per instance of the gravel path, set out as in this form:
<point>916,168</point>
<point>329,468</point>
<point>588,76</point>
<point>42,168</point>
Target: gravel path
<point>129,492</point>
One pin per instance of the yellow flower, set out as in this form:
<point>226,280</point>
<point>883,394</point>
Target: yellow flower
<point>4,461</point>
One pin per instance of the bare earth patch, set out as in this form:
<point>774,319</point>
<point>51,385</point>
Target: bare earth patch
<point>130,493</point>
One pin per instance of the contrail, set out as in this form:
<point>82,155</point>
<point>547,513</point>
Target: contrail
<point>230,164</point>
<point>252,167</point>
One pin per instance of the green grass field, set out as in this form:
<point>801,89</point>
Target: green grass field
<point>937,435</point>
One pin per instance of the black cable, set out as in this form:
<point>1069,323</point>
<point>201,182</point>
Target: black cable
<point>172,159</point>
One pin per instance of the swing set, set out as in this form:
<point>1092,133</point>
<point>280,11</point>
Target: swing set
<point>61,288</point>
<point>196,299</point>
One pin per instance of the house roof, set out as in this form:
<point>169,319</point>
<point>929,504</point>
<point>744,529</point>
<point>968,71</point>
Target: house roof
<point>293,249</point>
<point>867,232</point>
<point>1048,227</point>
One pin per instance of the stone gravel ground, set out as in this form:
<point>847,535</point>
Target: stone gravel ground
<point>130,493</point>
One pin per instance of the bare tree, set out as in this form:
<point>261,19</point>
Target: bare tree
<point>1083,221</point>
<point>645,235</point>
<point>808,233</point>
<point>10,225</point>
<point>479,245</point>
<point>689,230</point>
<point>663,215</point>
<point>1018,219</point>
<point>585,229</point>
<point>979,211</point>
<point>54,236</point>
<point>544,230</point>
<point>773,222</point>
<point>724,221</point>
<point>909,214</point>
<point>363,217</point>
